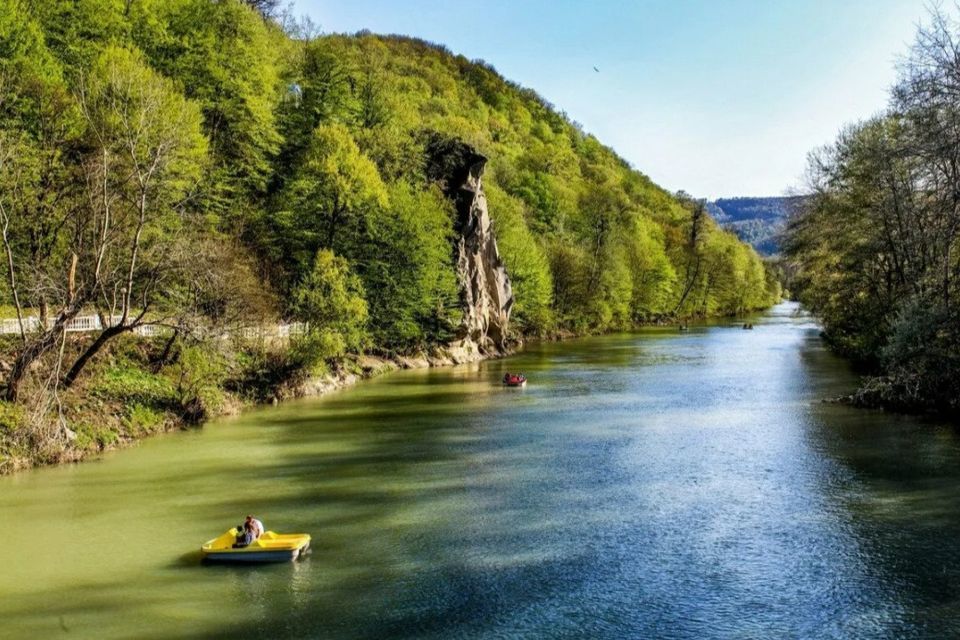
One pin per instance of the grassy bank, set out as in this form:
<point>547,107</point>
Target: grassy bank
<point>146,386</point>
<point>142,387</point>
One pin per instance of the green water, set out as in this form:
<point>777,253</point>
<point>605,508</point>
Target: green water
<point>659,484</point>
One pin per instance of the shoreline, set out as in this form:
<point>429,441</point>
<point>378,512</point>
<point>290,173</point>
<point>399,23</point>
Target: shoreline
<point>345,373</point>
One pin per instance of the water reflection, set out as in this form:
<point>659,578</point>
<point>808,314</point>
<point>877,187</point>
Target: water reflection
<point>648,485</point>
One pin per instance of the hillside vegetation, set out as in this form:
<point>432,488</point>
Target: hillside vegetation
<point>192,165</point>
<point>757,221</point>
<point>876,248</point>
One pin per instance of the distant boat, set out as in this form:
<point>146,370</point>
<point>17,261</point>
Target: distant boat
<point>514,379</point>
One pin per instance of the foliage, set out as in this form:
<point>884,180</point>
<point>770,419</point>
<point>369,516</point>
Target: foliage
<point>197,378</point>
<point>405,262</point>
<point>874,249</point>
<point>326,204</point>
<point>11,417</point>
<point>143,419</point>
<point>187,163</point>
<point>554,191</point>
<point>130,382</point>
<point>227,60</point>
<point>331,301</point>
<point>526,262</point>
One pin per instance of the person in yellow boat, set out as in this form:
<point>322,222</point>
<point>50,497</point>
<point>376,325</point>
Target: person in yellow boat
<point>248,532</point>
<point>244,536</point>
<point>255,526</point>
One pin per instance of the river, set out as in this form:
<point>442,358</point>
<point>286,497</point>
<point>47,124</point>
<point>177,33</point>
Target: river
<point>655,484</point>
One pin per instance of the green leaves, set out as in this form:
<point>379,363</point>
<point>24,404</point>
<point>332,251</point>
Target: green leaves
<point>212,116</point>
<point>140,117</point>
<point>873,251</point>
<point>331,300</point>
<point>526,263</point>
<point>227,59</point>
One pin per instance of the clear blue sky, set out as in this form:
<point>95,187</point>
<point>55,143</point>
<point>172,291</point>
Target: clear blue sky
<point>719,98</point>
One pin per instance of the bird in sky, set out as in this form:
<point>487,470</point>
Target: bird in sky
<point>597,70</point>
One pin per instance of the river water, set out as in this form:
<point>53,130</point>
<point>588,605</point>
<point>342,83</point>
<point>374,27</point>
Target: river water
<point>656,484</point>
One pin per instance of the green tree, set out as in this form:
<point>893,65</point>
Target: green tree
<point>39,128</point>
<point>228,60</point>
<point>406,263</point>
<point>335,187</point>
<point>874,249</point>
<point>147,153</point>
<point>331,301</point>
<point>526,263</point>
<point>651,271</point>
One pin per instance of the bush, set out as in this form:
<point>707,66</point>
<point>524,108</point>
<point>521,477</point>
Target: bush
<point>197,377</point>
<point>11,417</point>
<point>922,360</point>
<point>263,374</point>
<point>331,301</point>
<point>142,419</point>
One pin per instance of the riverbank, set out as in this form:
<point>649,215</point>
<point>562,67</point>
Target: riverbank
<point>128,399</point>
<point>129,396</point>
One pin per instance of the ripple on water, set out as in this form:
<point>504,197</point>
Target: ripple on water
<point>647,485</point>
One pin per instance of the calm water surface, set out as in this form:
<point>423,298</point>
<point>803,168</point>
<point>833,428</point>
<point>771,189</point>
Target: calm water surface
<point>648,485</point>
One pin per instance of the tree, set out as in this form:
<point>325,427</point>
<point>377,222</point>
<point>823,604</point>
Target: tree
<point>267,8</point>
<point>39,125</point>
<point>692,247</point>
<point>331,301</point>
<point>228,62</point>
<point>148,152</point>
<point>525,261</point>
<point>406,264</point>
<point>334,188</point>
<point>874,250</point>
<point>652,272</point>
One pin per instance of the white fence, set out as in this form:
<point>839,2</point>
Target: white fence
<point>31,324</point>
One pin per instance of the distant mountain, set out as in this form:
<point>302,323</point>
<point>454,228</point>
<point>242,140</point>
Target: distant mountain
<point>755,220</point>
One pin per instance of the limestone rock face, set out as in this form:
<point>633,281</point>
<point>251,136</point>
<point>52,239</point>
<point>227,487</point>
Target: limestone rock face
<point>485,292</point>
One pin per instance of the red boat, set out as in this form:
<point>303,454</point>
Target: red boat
<point>514,379</point>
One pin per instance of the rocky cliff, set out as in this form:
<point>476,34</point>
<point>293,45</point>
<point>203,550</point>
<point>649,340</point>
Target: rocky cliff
<point>485,292</point>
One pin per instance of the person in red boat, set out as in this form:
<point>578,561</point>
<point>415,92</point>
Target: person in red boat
<point>513,378</point>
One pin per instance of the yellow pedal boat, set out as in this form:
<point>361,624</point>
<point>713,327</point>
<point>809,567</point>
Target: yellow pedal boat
<point>270,547</point>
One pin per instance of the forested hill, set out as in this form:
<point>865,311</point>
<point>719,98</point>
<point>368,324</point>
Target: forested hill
<point>758,221</point>
<point>191,165</point>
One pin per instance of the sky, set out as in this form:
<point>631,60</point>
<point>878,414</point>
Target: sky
<point>719,98</point>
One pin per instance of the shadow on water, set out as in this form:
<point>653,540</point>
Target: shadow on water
<point>903,507</point>
<point>650,485</point>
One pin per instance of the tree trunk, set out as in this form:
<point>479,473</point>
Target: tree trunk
<point>34,350</point>
<point>688,286</point>
<point>332,228</point>
<point>164,357</point>
<point>105,336</point>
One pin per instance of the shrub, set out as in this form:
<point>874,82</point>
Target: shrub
<point>11,417</point>
<point>197,378</point>
<point>143,419</point>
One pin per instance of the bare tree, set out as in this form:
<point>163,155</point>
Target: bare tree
<point>698,215</point>
<point>149,151</point>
